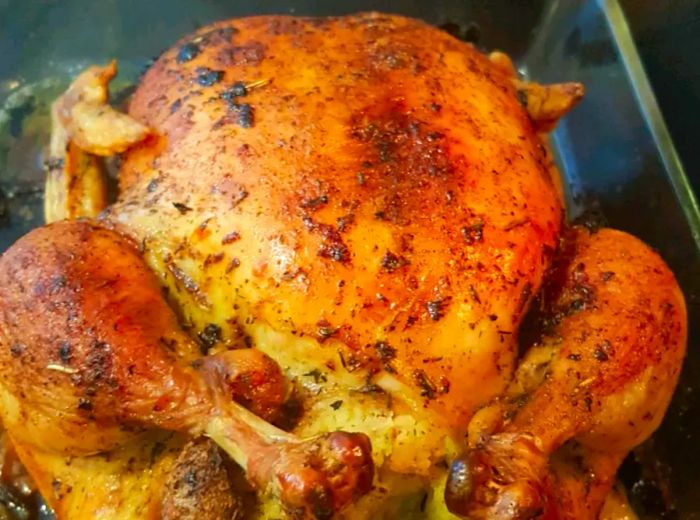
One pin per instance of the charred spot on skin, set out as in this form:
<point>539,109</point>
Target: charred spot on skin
<point>209,337</point>
<point>187,52</point>
<point>238,89</point>
<point>603,351</point>
<point>336,404</point>
<point>175,106</point>
<point>338,252</point>
<point>332,246</point>
<point>230,238</point>
<point>17,349</point>
<point>65,352</point>
<point>98,363</point>
<point>249,53</point>
<point>84,404</point>
<point>393,139</point>
<point>244,115</point>
<point>152,185</point>
<point>390,262</point>
<point>213,259</point>
<point>607,276</point>
<point>473,233</point>
<point>207,77</point>
<point>314,203</point>
<point>600,354</point>
<point>344,222</point>
<point>574,357</point>
<point>182,208</point>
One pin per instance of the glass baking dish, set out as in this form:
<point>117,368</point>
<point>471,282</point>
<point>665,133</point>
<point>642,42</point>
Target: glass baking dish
<point>617,159</point>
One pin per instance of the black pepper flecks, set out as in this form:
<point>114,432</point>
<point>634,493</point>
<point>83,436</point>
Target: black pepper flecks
<point>54,163</point>
<point>207,77</point>
<point>423,382</point>
<point>314,202</point>
<point>337,252</point>
<point>390,262</point>
<point>436,308</point>
<point>182,208</point>
<point>603,351</point>
<point>187,52</point>
<point>333,246</point>
<point>473,233</point>
<point>325,331</point>
<point>239,197</point>
<point>317,376</point>
<point>386,354</point>
<point>336,404</point>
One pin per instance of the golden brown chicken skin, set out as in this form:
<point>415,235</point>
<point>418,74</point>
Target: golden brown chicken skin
<point>389,196</point>
<point>335,225</point>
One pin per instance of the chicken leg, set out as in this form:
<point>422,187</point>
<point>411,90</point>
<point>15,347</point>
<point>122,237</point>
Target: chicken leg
<point>596,386</point>
<point>91,356</point>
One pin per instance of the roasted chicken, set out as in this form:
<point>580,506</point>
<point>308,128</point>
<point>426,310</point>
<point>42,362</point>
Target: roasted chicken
<point>327,236</point>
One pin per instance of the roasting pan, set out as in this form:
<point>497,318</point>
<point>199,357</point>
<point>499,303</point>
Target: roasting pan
<point>615,153</point>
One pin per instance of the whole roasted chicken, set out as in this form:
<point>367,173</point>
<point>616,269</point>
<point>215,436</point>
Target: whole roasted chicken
<point>308,298</point>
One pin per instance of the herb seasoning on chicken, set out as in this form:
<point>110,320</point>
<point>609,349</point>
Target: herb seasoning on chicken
<point>345,246</point>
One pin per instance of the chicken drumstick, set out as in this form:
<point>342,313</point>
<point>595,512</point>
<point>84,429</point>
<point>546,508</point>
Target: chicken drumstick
<point>95,356</point>
<point>597,385</point>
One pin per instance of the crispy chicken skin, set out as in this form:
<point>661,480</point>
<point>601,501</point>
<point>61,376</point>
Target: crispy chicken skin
<point>596,384</point>
<point>347,217</point>
<point>391,191</point>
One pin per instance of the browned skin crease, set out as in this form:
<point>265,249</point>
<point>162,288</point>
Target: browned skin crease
<point>127,366</point>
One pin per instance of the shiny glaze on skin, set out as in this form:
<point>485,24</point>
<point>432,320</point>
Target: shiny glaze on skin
<point>388,193</point>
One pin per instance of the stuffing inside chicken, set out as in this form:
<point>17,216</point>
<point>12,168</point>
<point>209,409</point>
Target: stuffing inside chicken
<point>307,299</point>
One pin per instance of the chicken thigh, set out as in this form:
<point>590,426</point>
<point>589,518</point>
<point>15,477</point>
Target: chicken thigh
<point>337,226</point>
